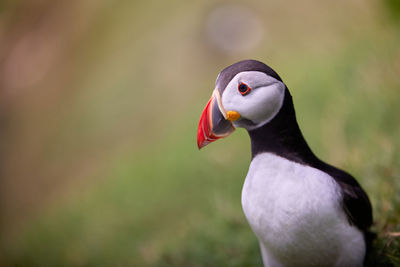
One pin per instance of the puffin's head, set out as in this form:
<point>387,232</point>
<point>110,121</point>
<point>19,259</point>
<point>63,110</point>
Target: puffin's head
<point>247,94</point>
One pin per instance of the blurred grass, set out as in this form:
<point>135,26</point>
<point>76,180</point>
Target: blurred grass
<point>155,200</point>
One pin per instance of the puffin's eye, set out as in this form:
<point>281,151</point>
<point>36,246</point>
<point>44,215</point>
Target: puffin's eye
<point>243,88</point>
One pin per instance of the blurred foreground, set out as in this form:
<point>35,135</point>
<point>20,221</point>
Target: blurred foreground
<point>99,104</point>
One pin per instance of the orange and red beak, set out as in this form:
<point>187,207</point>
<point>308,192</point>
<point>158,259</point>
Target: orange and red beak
<point>213,123</point>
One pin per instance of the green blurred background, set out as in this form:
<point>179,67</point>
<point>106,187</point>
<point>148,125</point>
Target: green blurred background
<point>99,105</point>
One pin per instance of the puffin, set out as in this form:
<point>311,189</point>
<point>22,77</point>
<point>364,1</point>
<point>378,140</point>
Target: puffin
<point>303,211</point>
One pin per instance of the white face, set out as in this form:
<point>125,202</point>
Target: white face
<point>260,105</point>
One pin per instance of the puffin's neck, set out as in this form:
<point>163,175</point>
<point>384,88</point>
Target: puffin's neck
<point>282,136</point>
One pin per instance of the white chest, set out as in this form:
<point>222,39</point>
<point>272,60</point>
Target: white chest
<point>295,212</point>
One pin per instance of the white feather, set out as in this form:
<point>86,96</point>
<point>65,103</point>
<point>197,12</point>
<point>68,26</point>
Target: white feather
<point>296,214</point>
<point>261,104</point>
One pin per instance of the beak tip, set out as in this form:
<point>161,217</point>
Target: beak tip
<point>201,142</point>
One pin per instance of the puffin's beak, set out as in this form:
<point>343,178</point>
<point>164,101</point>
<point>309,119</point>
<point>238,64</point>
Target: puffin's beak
<point>213,123</point>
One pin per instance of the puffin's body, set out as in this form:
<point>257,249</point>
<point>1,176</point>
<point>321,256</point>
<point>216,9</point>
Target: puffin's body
<point>296,213</point>
<point>303,211</point>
